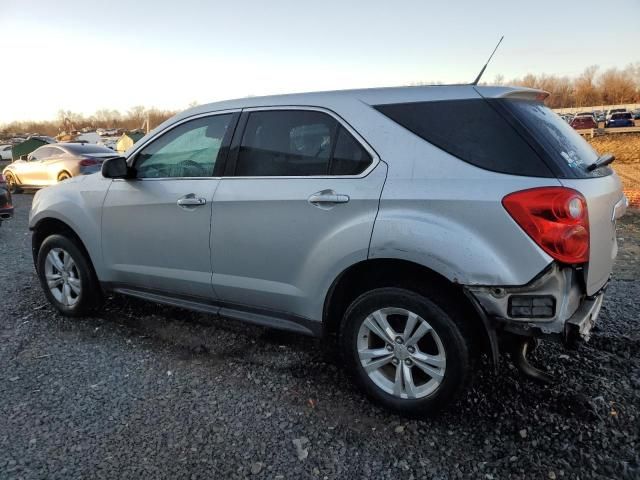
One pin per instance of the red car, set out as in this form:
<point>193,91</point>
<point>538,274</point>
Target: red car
<point>583,122</point>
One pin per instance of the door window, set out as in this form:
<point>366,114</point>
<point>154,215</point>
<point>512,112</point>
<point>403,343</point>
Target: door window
<point>40,153</point>
<point>191,149</point>
<point>287,143</point>
<point>55,152</point>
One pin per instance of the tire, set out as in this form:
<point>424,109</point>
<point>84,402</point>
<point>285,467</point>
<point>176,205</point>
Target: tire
<point>77,291</point>
<point>430,392</point>
<point>63,176</point>
<point>12,185</point>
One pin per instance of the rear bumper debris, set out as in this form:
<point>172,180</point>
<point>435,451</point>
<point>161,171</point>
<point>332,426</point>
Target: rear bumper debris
<point>553,306</point>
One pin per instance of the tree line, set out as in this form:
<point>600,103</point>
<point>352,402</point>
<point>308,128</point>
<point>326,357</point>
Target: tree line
<point>66,120</point>
<point>592,87</point>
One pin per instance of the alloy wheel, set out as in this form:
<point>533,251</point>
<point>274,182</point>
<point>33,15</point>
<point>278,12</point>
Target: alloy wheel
<point>63,278</point>
<point>401,353</point>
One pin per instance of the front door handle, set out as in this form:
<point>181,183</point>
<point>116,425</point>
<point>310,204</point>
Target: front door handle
<point>191,200</point>
<point>327,197</point>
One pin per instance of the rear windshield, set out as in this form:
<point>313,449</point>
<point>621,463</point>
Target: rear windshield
<point>563,147</point>
<point>621,116</point>
<point>516,137</point>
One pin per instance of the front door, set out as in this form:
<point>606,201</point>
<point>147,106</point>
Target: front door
<point>156,226</point>
<point>296,207</point>
<point>31,171</point>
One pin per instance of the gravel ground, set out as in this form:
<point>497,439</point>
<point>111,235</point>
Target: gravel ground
<point>155,392</point>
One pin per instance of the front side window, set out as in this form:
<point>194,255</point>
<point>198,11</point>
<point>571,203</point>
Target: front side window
<point>188,150</point>
<point>56,152</point>
<point>40,153</point>
<point>287,143</point>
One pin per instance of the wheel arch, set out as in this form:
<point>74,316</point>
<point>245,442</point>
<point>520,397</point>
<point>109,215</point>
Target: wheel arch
<point>64,170</point>
<point>391,272</point>
<point>51,226</point>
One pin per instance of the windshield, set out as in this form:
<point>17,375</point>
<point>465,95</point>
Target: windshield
<point>564,147</point>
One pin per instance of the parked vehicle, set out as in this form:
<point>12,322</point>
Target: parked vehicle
<point>585,114</point>
<point>620,120</point>
<point>583,122</point>
<point>54,163</point>
<point>612,111</point>
<point>5,152</point>
<point>636,114</point>
<point>358,213</point>
<point>6,205</point>
<point>599,115</point>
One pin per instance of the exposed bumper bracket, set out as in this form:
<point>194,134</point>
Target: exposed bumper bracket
<point>519,352</point>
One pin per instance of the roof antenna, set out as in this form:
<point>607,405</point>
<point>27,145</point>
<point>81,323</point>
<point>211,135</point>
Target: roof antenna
<point>475,82</point>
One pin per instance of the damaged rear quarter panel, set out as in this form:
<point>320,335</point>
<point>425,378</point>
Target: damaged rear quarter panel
<point>458,228</point>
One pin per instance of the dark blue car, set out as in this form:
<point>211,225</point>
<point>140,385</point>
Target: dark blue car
<point>623,119</point>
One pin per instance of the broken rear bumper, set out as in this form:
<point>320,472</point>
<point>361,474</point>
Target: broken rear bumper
<point>558,307</point>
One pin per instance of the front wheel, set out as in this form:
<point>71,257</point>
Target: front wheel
<point>67,277</point>
<point>12,185</point>
<point>405,351</point>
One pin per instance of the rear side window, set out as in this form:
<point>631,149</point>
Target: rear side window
<point>287,143</point>
<point>471,130</point>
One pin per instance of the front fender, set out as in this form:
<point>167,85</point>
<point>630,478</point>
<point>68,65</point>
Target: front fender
<point>77,203</point>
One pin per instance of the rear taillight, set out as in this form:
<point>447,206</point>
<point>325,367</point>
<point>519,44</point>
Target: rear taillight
<point>555,218</point>
<point>87,162</point>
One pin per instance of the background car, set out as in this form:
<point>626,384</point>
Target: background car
<point>6,207</point>
<point>5,152</point>
<point>54,163</point>
<point>623,119</point>
<point>612,111</point>
<point>636,114</point>
<point>583,122</point>
<point>585,114</point>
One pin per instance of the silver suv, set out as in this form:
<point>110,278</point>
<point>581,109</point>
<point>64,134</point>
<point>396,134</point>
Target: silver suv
<point>422,226</point>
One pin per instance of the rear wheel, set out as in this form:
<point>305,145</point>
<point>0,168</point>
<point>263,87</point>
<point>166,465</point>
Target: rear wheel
<point>405,351</point>
<point>67,277</point>
<point>63,176</point>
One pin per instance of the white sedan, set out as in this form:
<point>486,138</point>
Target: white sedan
<point>5,152</point>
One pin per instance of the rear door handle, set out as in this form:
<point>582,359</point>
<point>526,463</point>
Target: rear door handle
<point>326,197</point>
<point>191,200</point>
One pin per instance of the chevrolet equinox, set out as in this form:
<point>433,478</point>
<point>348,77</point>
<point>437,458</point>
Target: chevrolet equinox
<point>421,226</point>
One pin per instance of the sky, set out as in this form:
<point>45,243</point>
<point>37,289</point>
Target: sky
<point>88,55</point>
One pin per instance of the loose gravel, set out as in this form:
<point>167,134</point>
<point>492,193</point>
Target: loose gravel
<point>147,391</point>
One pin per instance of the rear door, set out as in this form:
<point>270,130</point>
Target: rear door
<point>297,204</point>
<point>156,227</point>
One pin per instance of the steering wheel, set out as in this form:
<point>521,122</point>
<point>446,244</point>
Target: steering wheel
<point>189,164</point>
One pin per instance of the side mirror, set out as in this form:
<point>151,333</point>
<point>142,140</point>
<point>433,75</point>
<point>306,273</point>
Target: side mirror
<point>24,157</point>
<point>115,168</point>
